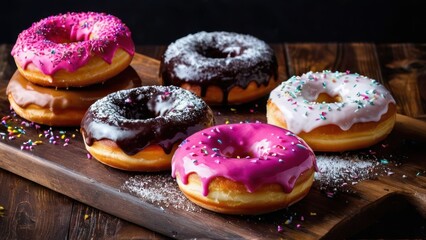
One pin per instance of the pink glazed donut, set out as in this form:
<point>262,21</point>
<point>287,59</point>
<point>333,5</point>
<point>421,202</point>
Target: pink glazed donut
<point>245,168</point>
<point>73,49</point>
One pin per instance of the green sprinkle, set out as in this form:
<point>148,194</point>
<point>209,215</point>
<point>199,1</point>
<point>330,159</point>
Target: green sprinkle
<point>292,94</point>
<point>384,161</point>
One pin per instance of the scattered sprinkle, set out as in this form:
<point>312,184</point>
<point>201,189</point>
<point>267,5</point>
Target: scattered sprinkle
<point>2,210</point>
<point>16,128</point>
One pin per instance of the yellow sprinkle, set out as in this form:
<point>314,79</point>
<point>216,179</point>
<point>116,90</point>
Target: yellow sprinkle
<point>86,216</point>
<point>63,136</point>
<point>227,122</point>
<point>19,135</point>
<point>313,213</point>
<point>38,142</point>
<point>73,136</point>
<point>40,135</point>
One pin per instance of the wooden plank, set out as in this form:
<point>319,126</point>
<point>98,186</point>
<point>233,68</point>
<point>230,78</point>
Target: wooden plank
<point>25,215</point>
<point>67,170</point>
<point>404,72</point>
<point>353,57</point>
<point>7,66</point>
<point>90,223</point>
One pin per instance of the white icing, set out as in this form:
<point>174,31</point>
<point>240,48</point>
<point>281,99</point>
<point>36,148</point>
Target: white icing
<point>362,100</point>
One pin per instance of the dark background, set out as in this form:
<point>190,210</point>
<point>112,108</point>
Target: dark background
<point>163,21</point>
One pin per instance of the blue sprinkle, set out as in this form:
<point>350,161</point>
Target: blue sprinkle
<point>301,146</point>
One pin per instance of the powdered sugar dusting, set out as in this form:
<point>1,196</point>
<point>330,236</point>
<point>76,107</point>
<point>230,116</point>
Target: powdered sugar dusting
<point>235,49</point>
<point>159,189</point>
<point>139,117</point>
<point>174,102</point>
<point>338,172</point>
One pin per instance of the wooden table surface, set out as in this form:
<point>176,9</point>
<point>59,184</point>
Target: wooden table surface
<point>29,210</point>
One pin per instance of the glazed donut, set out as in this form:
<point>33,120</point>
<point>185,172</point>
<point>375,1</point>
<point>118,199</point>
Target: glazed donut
<point>73,49</point>
<point>221,67</point>
<point>140,128</point>
<point>333,111</point>
<point>62,107</point>
<point>245,168</point>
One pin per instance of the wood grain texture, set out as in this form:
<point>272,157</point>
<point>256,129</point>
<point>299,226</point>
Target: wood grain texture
<point>68,171</point>
<point>404,73</point>
<point>353,57</point>
<point>25,203</point>
<point>90,223</point>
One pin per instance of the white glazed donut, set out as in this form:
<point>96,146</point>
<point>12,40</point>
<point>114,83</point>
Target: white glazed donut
<point>333,111</point>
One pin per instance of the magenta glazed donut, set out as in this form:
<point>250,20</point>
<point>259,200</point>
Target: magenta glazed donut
<point>246,168</point>
<point>73,49</point>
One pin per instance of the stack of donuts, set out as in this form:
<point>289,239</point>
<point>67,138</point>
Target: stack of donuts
<point>73,70</point>
<point>68,61</point>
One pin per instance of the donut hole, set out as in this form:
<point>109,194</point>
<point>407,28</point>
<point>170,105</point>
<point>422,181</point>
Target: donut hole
<point>326,98</point>
<point>62,36</point>
<point>140,112</point>
<point>213,52</point>
<point>235,152</point>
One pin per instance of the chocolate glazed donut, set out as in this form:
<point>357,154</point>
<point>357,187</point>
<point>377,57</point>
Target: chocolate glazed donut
<point>222,59</point>
<point>139,118</point>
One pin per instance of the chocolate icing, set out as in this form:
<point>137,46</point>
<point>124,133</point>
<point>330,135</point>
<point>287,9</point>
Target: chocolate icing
<point>26,93</point>
<point>222,59</point>
<point>139,117</point>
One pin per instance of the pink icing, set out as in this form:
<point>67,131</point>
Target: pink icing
<point>254,154</point>
<point>68,41</point>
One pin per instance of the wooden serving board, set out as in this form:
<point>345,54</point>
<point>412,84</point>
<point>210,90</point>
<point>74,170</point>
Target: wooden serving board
<point>396,184</point>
